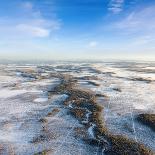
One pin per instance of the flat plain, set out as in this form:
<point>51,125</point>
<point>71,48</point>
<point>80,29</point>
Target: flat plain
<point>77,108</point>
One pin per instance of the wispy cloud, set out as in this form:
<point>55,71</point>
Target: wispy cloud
<point>138,27</point>
<point>38,27</point>
<point>116,6</point>
<point>33,30</point>
<point>138,20</point>
<point>33,24</point>
<point>144,40</point>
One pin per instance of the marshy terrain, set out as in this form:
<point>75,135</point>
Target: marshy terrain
<point>71,108</point>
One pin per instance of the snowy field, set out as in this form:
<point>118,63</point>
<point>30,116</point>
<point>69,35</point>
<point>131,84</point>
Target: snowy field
<point>34,121</point>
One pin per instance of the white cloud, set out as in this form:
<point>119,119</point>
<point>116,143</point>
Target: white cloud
<point>33,24</point>
<point>116,6</point>
<point>38,27</point>
<point>93,44</point>
<point>33,30</point>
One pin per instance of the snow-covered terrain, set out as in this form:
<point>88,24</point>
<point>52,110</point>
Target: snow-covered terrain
<point>33,120</point>
<point>127,98</point>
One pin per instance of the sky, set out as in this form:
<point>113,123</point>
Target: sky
<point>77,29</point>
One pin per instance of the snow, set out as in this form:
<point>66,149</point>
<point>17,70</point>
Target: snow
<point>91,130</point>
<point>5,93</point>
<point>122,107</point>
<point>24,102</point>
<point>18,73</point>
<point>43,99</point>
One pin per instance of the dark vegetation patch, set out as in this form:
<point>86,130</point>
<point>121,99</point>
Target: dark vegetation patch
<point>28,74</point>
<point>147,80</point>
<point>39,139</point>
<point>44,152</point>
<point>88,78</point>
<point>98,120</point>
<point>101,95</point>
<point>147,119</point>
<point>108,73</point>
<point>13,85</point>
<point>120,145</point>
<point>117,89</point>
<point>93,83</point>
<point>44,68</point>
<point>53,112</point>
<point>45,137</point>
<point>65,67</point>
<point>43,120</point>
<point>142,70</point>
<point>78,113</point>
<point>41,153</point>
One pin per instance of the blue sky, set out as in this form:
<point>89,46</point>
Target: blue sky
<point>77,29</point>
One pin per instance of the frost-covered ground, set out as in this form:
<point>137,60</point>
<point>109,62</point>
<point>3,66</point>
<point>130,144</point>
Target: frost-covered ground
<point>129,93</point>
<point>32,121</point>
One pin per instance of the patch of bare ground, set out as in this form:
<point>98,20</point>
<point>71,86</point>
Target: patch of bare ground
<point>84,107</point>
<point>147,119</point>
